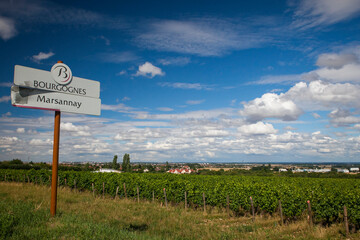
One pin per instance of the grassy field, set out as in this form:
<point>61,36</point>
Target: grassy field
<point>24,214</point>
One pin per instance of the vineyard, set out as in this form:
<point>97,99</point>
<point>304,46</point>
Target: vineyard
<point>327,196</point>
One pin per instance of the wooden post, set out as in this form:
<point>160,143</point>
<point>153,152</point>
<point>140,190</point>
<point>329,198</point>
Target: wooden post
<point>28,178</point>
<point>138,194</point>
<point>103,189</point>
<point>204,200</point>
<point>93,189</point>
<point>165,198</point>
<point>153,196</point>
<point>55,163</point>
<point>65,182</point>
<point>125,190</point>
<point>117,191</point>
<point>75,184</point>
<point>185,201</point>
<point>228,205</point>
<point>50,180</point>
<point>309,213</point>
<point>281,214</point>
<point>252,209</point>
<point>346,222</point>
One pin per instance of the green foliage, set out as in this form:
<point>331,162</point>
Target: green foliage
<point>126,167</point>
<point>327,196</point>
<point>114,163</point>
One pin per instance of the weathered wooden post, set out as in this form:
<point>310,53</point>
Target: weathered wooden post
<point>228,205</point>
<point>252,209</point>
<point>204,200</point>
<point>185,201</point>
<point>138,194</point>
<point>309,213</point>
<point>103,189</point>
<point>346,222</point>
<point>117,191</point>
<point>281,213</point>
<point>153,196</point>
<point>125,190</point>
<point>93,189</point>
<point>165,198</point>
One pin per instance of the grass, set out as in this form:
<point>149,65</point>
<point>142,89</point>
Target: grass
<point>25,214</point>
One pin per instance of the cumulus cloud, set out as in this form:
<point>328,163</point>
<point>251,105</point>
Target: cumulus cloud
<point>75,130</point>
<point>271,105</point>
<point>149,70</point>
<point>333,60</point>
<point>342,117</point>
<point>42,56</point>
<point>41,142</point>
<point>258,128</point>
<point>320,95</point>
<point>20,130</point>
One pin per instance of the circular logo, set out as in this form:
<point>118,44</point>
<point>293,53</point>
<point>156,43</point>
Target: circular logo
<point>61,73</point>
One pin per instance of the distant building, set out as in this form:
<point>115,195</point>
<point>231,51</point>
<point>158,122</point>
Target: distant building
<point>146,170</point>
<point>105,170</point>
<point>181,171</point>
<point>282,170</point>
<point>354,169</point>
<point>343,170</point>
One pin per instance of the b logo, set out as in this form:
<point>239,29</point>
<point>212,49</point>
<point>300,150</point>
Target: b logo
<point>61,73</point>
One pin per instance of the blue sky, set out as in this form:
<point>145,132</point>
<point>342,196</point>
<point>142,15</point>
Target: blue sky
<point>193,81</point>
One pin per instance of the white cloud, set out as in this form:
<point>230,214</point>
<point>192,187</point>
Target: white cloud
<point>42,56</point>
<point>149,70</point>
<point>5,99</point>
<point>346,73</point>
<point>279,79</point>
<point>40,142</point>
<point>204,37</point>
<point>75,130</point>
<point>258,128</point>
<point>316,116</point>
<point>119,57</point>
<point>271,105</point>
<point>194,102</point>
<point>20,130</point>
<point>7,28</point>
<point>165,109</point>
<point>310,13</point>
<point>180,85</point>
<point>333,60</point>
<point>319,95</point>
<point>178,61</point>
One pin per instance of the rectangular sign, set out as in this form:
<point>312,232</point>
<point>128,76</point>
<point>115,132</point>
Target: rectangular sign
<point>46,100</point>
<point>43,80</point>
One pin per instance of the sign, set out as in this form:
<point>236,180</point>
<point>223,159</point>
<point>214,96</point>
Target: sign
<point>60,79</point>
<point>55,101</point>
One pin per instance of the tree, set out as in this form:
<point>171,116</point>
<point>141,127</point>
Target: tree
<point>114,164</point>
<point>126,163</point>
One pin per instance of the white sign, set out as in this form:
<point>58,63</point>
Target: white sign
<point>60,79</point>
<point>46,100</point>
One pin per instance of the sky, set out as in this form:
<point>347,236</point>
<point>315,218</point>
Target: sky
<point>189,81</point>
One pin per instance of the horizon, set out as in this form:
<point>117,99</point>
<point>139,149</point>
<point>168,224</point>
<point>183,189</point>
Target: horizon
<point>195,81</point>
